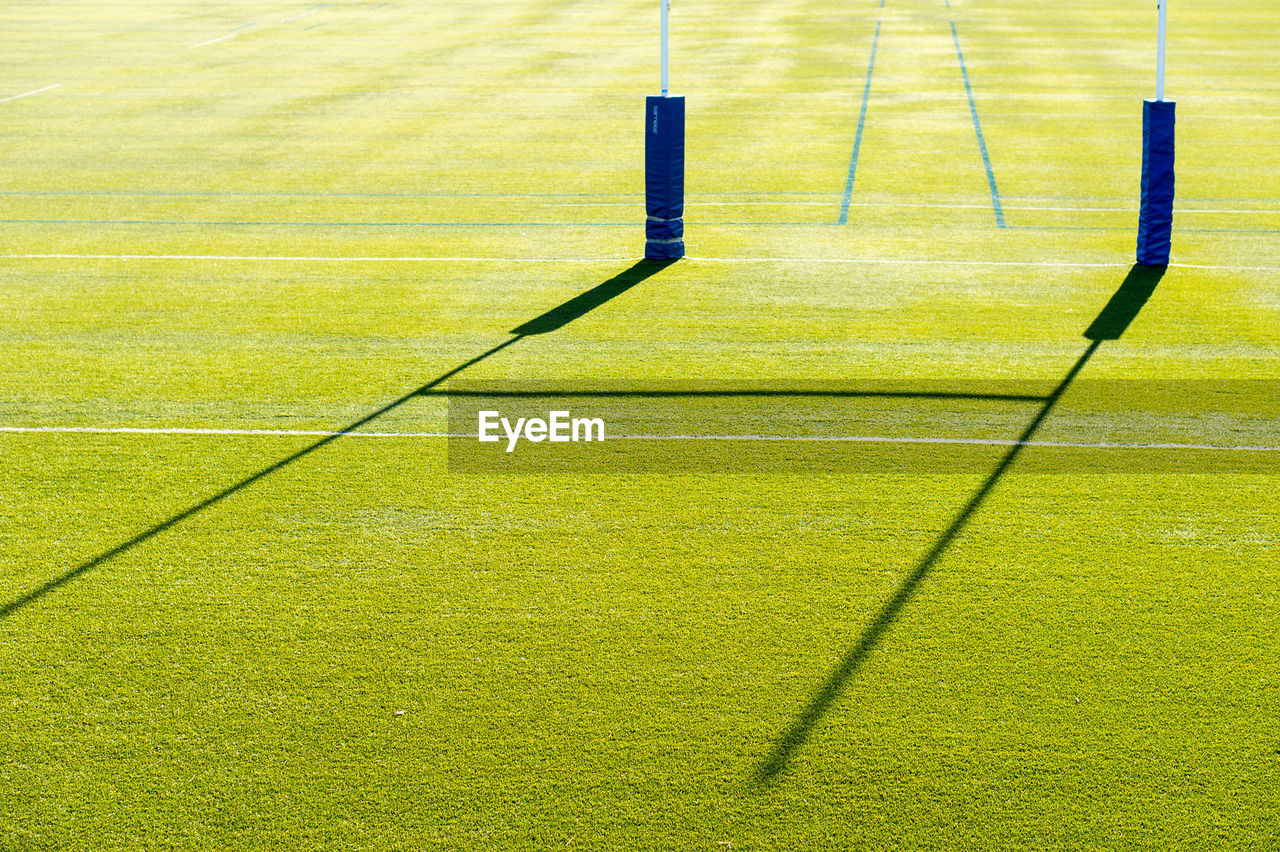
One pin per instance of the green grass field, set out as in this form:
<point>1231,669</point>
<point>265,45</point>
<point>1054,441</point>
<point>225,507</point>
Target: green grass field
<point>233,230</point>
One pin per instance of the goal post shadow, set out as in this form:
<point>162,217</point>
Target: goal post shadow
<point>1113,320</point>
<point>550,321</point>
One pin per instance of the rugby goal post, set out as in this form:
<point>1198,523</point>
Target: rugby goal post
<point>664,161</point>
<point>1155,208</point>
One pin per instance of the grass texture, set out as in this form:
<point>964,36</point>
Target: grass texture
<point>296,218</point>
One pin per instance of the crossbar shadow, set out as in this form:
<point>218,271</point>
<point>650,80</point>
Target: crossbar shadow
<point>1110,324</point>
<point>729,393</point>
<point>551,320</point>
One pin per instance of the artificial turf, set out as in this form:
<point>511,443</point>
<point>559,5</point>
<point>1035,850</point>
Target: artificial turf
<point>299,640</point>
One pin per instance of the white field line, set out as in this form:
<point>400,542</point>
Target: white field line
<point>983,442</point>
<point>905,205</point>
<point>299,15</point>
<point>882,261</point>
<point>1010,263</point>
<point>911,261</point>
<point>1237,211</point>
<point>859,439</point>
<point>177,430</point>
<point>706,204</point>
<point>30,93</point>
<point>319,258</point>
<point>214,40</point>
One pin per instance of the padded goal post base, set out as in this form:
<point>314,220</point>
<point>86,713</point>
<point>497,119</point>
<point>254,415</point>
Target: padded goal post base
<point>1155,212</point>
<point>664,178</point>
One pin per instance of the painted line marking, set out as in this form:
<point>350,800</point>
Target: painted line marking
<point>856,439</point>
<point>405,195</point>
<point>270,224</point>
<point>318,258</point>
<point>857,139</point>
<point>629,201</point>
<point>1183,230</point>
<point>1112,199</point>
<point>1051,209</point>
<point>30,93</point>
<point>1134,209</point>
<point>982,442</point>
<point>1014,263</point>
<point>178,223</point>
<point>977,127</point>
<point>912,261</point>
<point>625,199</point>
<point>913,205</point>
<point>297,16</point>
<point>214,40</point>
<point>186,223</point>
<point>689,258</point>
<point>142,430</point>
<point>692,203</point>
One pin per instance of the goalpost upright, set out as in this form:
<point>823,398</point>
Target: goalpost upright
<point>1155,210</point>
<point>664,161</point>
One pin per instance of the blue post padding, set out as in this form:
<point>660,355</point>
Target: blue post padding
<point>1155,214</point>
<point>664,178</point>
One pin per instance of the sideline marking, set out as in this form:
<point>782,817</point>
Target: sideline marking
<point>708,204</point>
<point>858,439</point>
<point>214,40</point>
<point>220,224</point>
<point>178,430</point>
<point>319,258</point>
<point>1067,264</point>
<point>701,223</point>
<point>29,94</point>
<point>977,126</point>
<point>912,205</point>
<point>1024,263</point>
<point>862,120</point>
<point>1128,228</point>
<point>915,262</point>
<point>623,199</point>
